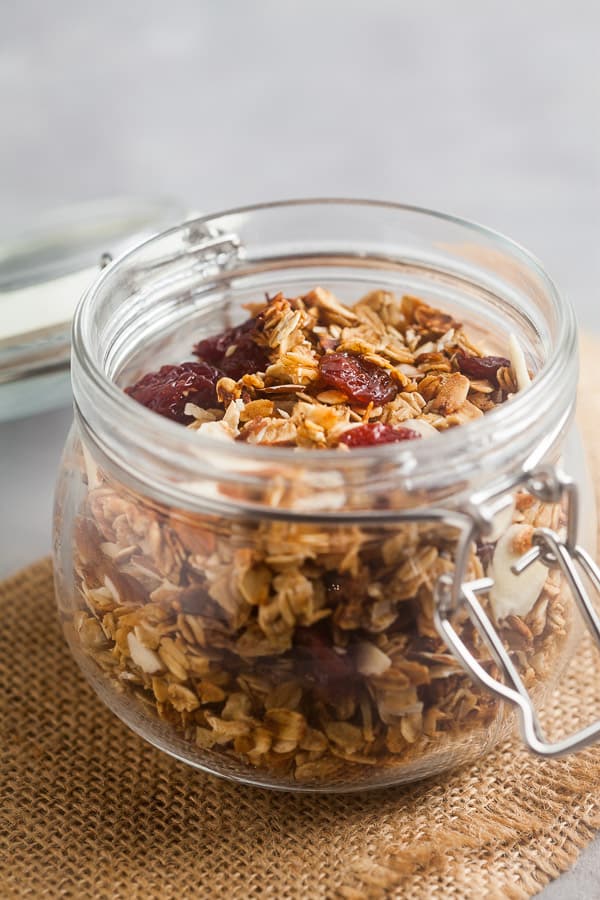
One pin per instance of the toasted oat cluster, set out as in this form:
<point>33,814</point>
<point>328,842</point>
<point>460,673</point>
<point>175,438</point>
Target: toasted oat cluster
<point>312,372</point>
<point>308,651</point>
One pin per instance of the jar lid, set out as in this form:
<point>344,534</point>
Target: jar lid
<point>44,270</point>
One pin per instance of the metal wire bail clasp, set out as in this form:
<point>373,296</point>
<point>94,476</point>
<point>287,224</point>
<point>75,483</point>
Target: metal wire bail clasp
<point>555,551</point>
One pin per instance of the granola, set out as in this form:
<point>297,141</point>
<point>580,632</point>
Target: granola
<point>305,651</point>
<point>311,372</point>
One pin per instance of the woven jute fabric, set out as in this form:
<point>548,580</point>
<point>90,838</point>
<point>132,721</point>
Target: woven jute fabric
<point>88,809</point>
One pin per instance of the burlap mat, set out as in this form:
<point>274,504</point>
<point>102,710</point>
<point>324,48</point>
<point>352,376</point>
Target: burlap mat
<point>89,810</point>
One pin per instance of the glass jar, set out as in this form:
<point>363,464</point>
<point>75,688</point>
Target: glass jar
<point>300,619</point>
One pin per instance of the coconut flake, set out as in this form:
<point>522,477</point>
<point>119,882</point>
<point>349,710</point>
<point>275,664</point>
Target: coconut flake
<point>231,419</point>
<point>200,414</point>
<point>216,430</point>
<point>422,427</point>
<point>327,492</point>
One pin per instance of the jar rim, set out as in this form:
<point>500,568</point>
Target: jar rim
<point>422,454</point>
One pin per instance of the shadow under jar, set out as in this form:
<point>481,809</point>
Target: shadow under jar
<point>302,619</point>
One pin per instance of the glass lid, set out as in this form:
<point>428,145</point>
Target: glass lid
<point>44,269</point>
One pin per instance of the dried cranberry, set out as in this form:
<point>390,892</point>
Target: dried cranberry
<point>376,433</point>
<point>481,366</point>
<point>214,348</point>
<point>168,390</point>
<point>359,379</point>
<point>326,666</point>
<point>235,351</point>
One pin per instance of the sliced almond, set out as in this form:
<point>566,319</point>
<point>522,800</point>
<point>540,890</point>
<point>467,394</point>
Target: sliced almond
<point>91,469</point>
<point>518,364</point>
<point>501,522</point>
<point>370,660</point>
<point>283,389</point>
<point>146,659</point>
<point>514,594</point>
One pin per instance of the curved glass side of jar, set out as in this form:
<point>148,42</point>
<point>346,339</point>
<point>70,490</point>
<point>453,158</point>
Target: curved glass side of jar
<point>293,652</point>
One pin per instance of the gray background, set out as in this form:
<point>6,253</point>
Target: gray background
<point>485,109</point>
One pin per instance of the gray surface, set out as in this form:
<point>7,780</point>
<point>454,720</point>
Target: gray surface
<point>488,110</point>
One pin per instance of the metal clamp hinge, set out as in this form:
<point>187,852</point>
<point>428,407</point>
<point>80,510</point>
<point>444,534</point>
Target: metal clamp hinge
<point>204,247</point>
<point>209,244</point>
<point>555,551</point>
